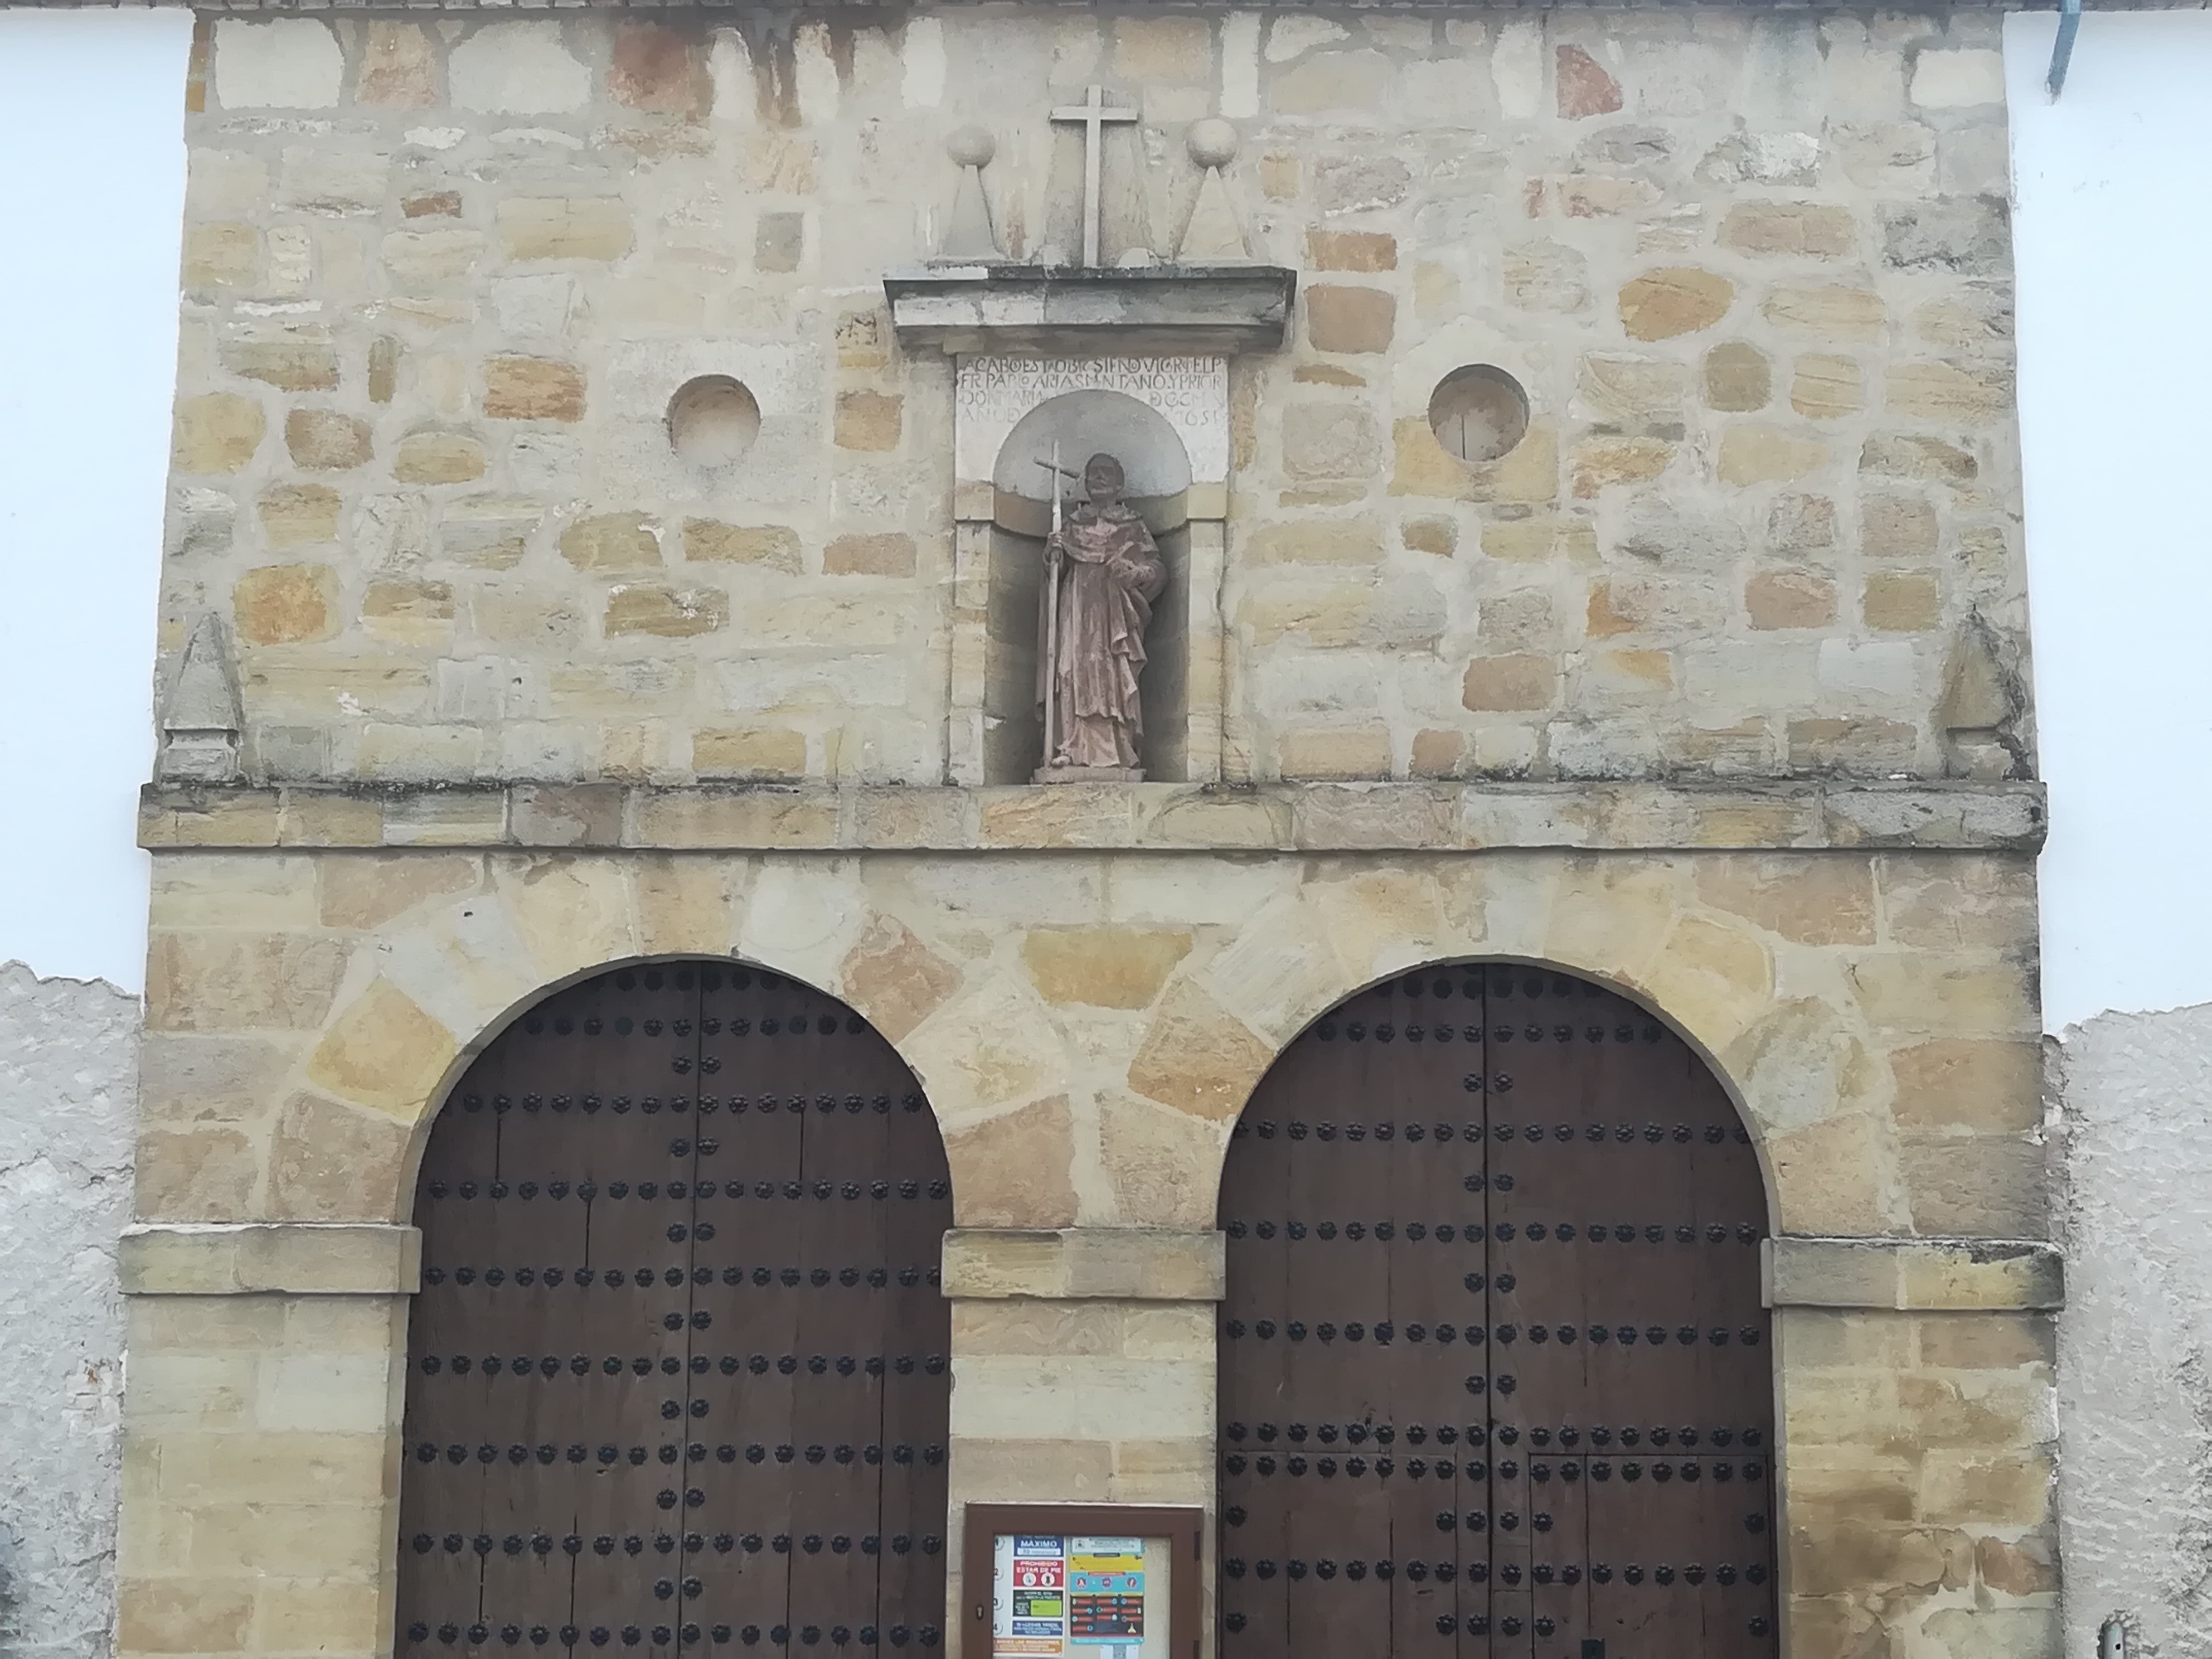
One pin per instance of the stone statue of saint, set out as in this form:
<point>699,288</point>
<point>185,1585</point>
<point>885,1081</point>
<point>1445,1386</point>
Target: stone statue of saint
<point>1103,571</point>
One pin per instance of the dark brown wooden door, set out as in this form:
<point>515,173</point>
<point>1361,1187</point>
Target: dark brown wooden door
<point>676,1375</point>
<point>1495,1375</point>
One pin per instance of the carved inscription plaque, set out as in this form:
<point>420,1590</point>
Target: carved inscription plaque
<point>996,391</point>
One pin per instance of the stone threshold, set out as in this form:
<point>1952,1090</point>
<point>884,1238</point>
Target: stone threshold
<point>1277,817</point>
<point>1928,1275</point>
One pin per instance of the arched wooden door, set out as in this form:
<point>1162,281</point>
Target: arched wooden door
<point>676,1374</point>
<point>1495,1375</point>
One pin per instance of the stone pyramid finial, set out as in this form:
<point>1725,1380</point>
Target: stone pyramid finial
<point>201,719</point>
<point>969,235</point>
<point>1213,235</point>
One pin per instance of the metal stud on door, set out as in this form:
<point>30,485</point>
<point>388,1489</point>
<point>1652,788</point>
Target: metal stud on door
<point>681,1225</point>
<point>1493,1366</point>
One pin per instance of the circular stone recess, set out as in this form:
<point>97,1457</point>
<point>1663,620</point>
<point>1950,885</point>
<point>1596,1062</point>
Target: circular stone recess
<point>712,420</point>
<point>1478,413</point>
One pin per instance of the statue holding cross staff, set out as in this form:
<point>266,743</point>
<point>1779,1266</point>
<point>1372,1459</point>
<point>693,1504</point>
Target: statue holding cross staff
<point>1103,571</point>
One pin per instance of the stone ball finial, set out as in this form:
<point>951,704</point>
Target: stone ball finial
<point>1211,141</point>
<point>971,146</point>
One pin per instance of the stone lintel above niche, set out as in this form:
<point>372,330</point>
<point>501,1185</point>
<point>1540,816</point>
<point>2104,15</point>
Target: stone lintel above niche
<point>1072,310</point>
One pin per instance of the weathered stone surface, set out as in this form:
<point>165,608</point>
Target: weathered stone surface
<point>1738,378</point>
<point>286,605</point>
<point>438,458</point>
<point>217,433</point>
<point>1012,1170</point>
<point>1196,1057</point>
<point>1349,319</point>
<point>1585,87</point>
<point>398,69</point>
<point>886,555</point>
<point>611,541</point>
<point>664,611</point>
<point>660,68</point>
<point>322,440</point>
<point>1663,304</point>
<point>869,420</point>
<point>533,389</point>
<point>1103,968</point>
<point>382,1051</point>
<point>775,546</point>
<point>1790,230</point>
<point>565,227</point>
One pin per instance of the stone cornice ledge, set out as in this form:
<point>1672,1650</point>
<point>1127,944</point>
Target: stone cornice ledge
<point>262,1258</point>
<point>1303,817</point>
<point>1084,1264</point>
<point>1914,1275</point>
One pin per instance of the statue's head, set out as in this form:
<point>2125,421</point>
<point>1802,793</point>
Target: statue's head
<point>1102,479</point>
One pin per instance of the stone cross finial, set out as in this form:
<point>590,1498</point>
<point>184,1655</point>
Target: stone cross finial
<point>1094,115</point>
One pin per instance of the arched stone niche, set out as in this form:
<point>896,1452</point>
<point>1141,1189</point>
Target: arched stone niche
<point>1166,419</point>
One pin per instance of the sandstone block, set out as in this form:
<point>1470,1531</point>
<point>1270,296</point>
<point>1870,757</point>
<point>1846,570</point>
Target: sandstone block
<point>1753,454</point>
<point>324,441</point>
<point>895,979</point>
<point>432,204</point>
<point>1547,277</point>
<point>1332,440</point>
<point>1318,541</point>
<point>1600,464</point>
<point>775,546</point>
<point>1585,88</point>
<point>421,612</point>
<point>666,612</point>
<point>1992,1087</point>
<point>517,69</point>
<point>398,67</point>
<point>1738,378</point>
<point>364,892</point>
<point>236,982</point>
<point>1968,236</point>
<point>660,68</point>
<point>611,541</point>
<point>779,241</point>
<point>438,458</point>
<point>1169,49</point>
<point>749,752</point>
<point>333,1163</point>
<point>286,605</point>
<point>1902,601</point>
<point>1331,753</point>
<point>1103,967</point>
<point>1510,683</point>
<point>1789,598</point>
<point>1949,392</point>
<point>1335,81</point>
<point>421,259</point>
<point>216,432</point>
<point>1198,1058</point>
<point>1790,230</point>
<point>1965,79</point>
<point>1349,319</point>
<point>1826,313</point>
<point>1897,527</point>
<point>888,555</point>
<point>221,255</point>
<point>869,420</point>
<point>1012,1170</point>
<point>285,63</point>
<point>1825,388</point>
<point>1632,387</point>
<point>1810,900</point>
<point>1351,250</point>
<point>292,362</point>
<point>565,227</point>
<point>1663,304</point>
<point>383,1052</point>
<point>297,515</point>
<point>333,180</point>
<point>533,389</point>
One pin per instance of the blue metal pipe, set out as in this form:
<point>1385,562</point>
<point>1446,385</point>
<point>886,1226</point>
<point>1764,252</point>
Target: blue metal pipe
<point>2062,50</point>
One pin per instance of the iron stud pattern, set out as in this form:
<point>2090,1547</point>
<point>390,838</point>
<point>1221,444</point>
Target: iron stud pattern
<point>678,1373</point>
<point>1494,1369</point>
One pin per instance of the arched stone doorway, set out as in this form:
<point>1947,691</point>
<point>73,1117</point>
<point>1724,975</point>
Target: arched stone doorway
<point>1495,1374</point>
<point>678,1372</point>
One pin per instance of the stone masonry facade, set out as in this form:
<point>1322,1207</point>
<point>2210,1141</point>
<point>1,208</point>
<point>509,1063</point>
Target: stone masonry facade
<point>441,281</point>
<point>1712,688</point>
